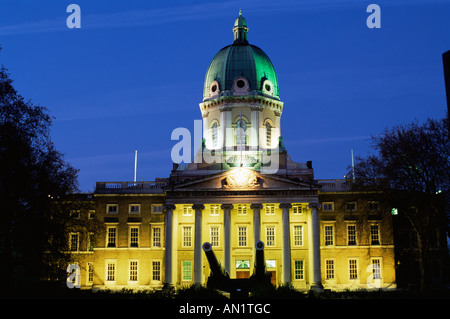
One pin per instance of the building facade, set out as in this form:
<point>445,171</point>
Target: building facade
<point>242,187</point>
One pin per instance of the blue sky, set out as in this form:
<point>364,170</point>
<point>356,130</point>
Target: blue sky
<point>134,72</point>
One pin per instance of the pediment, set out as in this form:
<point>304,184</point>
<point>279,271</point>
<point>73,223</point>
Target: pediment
<point>243,179</point>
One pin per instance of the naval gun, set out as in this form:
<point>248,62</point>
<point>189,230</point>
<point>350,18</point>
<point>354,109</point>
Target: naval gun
<point>237,287</point>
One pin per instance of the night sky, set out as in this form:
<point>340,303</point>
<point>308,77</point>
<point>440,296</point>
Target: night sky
<point>134,72</point>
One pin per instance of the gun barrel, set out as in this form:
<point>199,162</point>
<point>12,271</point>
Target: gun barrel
<point>260,267</point>
<point>214,264</point>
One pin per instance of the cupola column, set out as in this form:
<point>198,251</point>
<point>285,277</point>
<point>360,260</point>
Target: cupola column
<point>254,132</point>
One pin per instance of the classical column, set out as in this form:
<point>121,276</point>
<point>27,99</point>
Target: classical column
<point>168,280</point>
<point>198,243</point>
<point>286,243</point>
<point>314,239</point>
<point>255,115</point>
<point>256,221</point>
<point>226,231</point>
<point>225,127</point>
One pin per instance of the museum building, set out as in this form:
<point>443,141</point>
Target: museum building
<point>242,188</point>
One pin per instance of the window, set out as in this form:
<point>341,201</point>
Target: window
<point>91,241</point>
<point>112,208</point>
<point>111,237</point>
<point>214,210</point>
<point>350,207</point>
<point>133,276</point>
<point>134,236</point>
<point>214,135</point>
<point>376,268</point>
<point>271,263</point>
<point>353,268</point>
<point>242,236</point>
<point>270,236</point>
<point>374,206</point>
<point>214,236</point>
<point>270,209</point>
<point>328,207</point>
<point>242,264</point>
<point>134,208</point>
<point>298,270</point>
<point>297,209</point>
<point>374,235</point>
<point>351,235</point>
<point>156,236</point>
<point>298,235</point>
<point>242,209</point>
<point>156,270</point>
<point>157,208</point>
<point>187,210</point>
<point>241,133</point>
<point>329,268</point>
<point>268,135</point>
<point>187,236</point>
<point>73,244</point>
<point>90,272</point>
<point>91,214</point>
<point>110,271</point>
<point>75,214</point>
<point>329,235</point>
<point>186,270</point>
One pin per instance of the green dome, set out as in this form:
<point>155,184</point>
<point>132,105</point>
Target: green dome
<point>241,59</point>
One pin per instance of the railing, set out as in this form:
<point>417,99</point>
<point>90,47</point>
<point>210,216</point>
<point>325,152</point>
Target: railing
<point>334,185</point>
<point>132,187</point>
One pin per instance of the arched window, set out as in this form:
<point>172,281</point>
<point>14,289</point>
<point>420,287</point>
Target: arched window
<point>214,134</point>
<point>241,133</point>
<point>268,134</point>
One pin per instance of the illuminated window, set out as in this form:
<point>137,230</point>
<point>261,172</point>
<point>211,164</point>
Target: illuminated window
<point>242,236</point>
<point>242,209</point>
<point>376,268</point>
<point>328,207</point>
<point>241,133</point>
<point>271,263</point>
<point>111,236</point>
<point>187,236</point>
<point>297,208</point>
<point>186,270</point>
<point>134,208</point>
<point>268,135</point>
<point>156,270</point>
<point>270,236</point>
<point>156,236</point>
<point>298,270</point>
<point>134,236</point>
<point>110,271</point>
<point>374,235</point>
<point>73,242</point>
<point>242,264</point>
<point>351,235</point>
<point>133,270</point>
<point>214,235</point>
<point>329,235</point>
<point>214,135</point>
<point>91,241</point>
<point>214,210</point>
<point>187,210</point>
<point>353,268</point>
<point>329,268</point>
<point>112,208</point>
<point>90,272</point>
<point>298,235</point>
<point>270,209</point>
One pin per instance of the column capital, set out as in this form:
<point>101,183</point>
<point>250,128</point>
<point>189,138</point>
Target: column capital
<point>198,206</point>
<point>227,206</point>
<point>314,205</point>
<point>169,207</point>
<point>285,205</point>
<point>256,206</point>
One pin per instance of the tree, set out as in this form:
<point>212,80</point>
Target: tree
<point>412,168</point>
<point>34,182</point>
